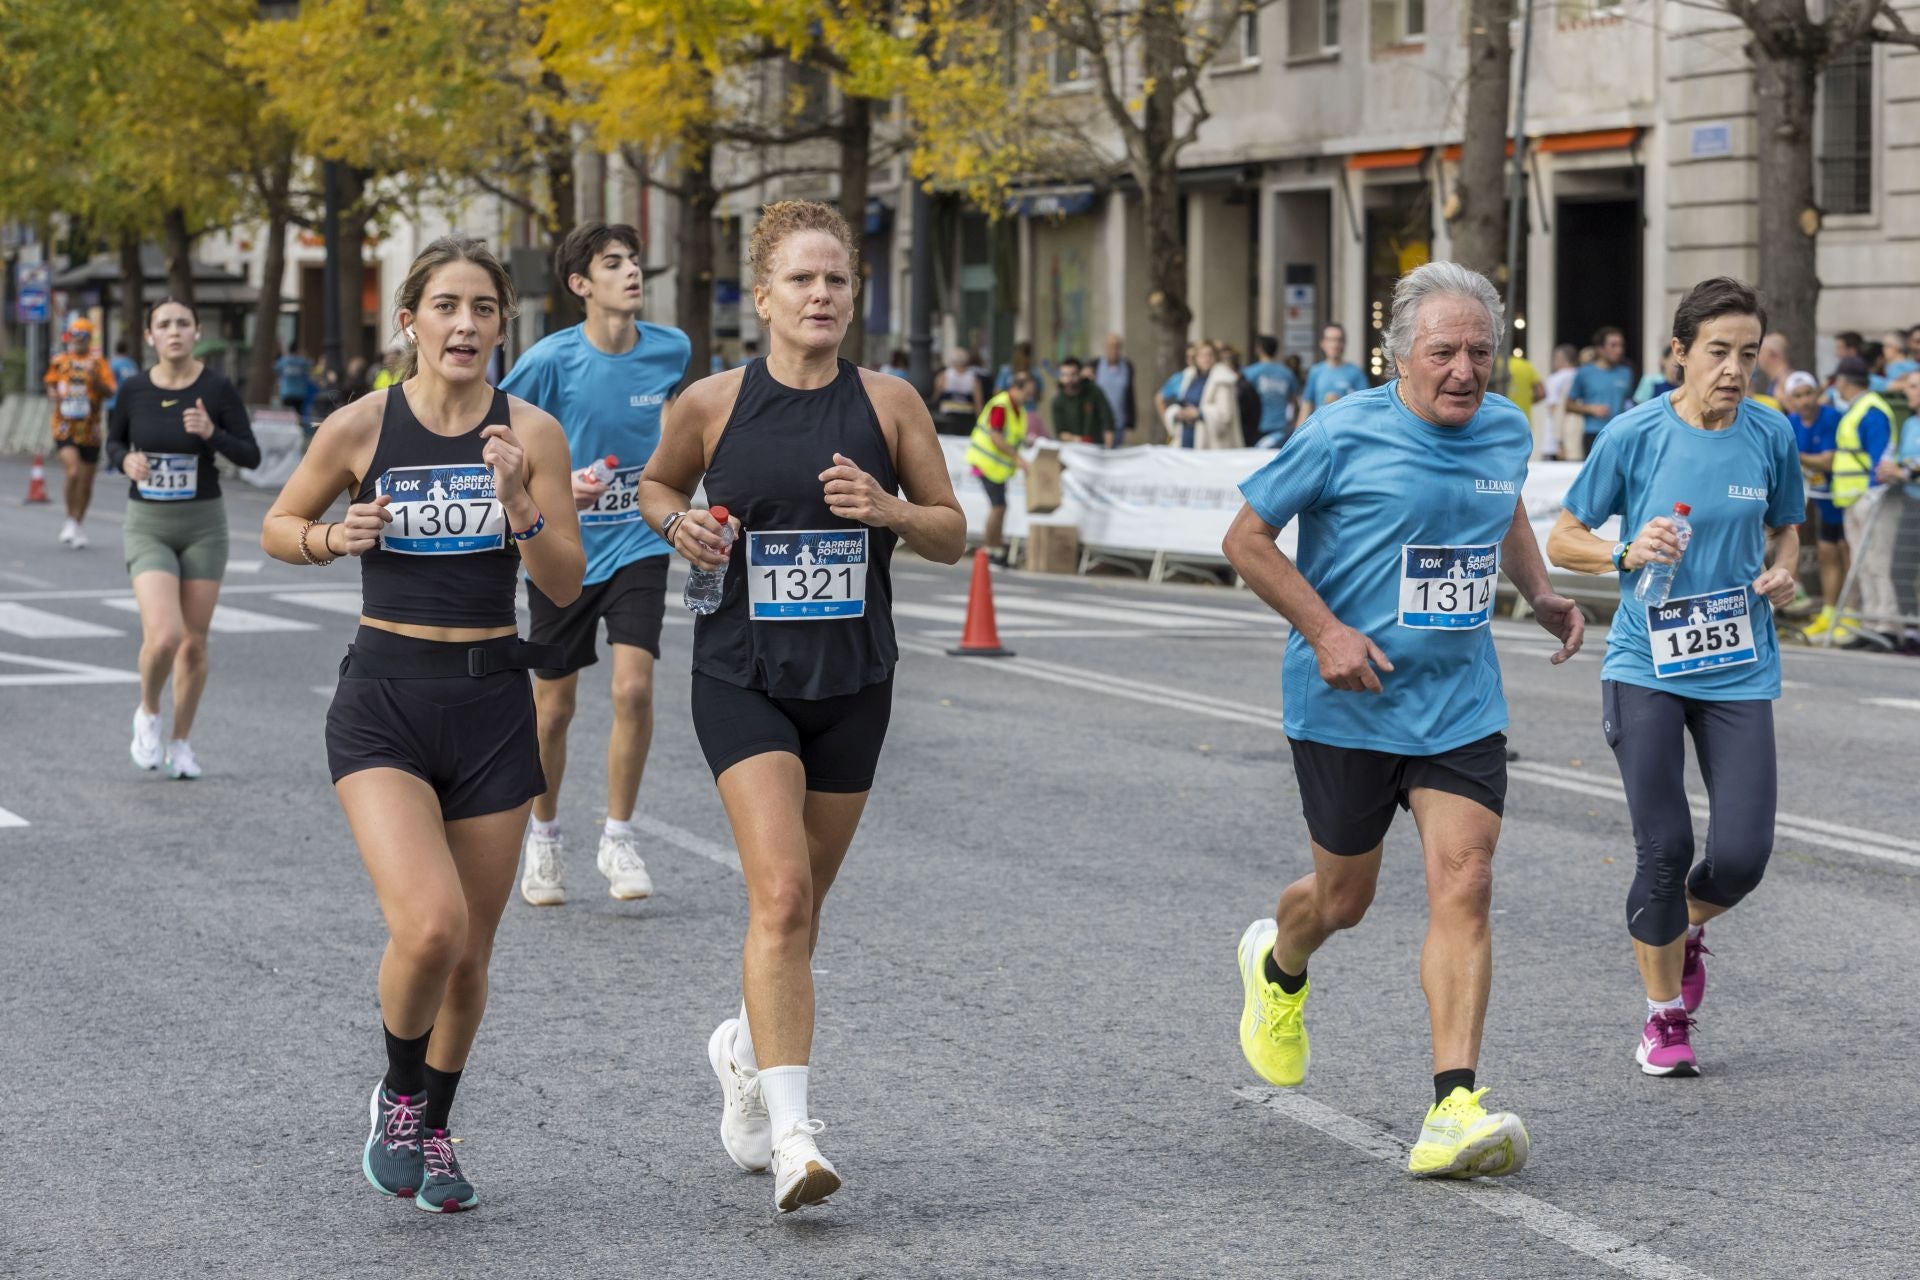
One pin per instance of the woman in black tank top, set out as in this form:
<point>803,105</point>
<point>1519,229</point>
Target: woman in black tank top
<point>793,672</point>
<point>454,487</point>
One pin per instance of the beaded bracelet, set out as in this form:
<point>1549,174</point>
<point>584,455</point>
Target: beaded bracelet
<point>308,555</point>
<point>539,523</point>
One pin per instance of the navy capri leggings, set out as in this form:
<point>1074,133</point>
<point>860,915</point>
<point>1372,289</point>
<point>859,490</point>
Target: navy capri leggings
<point>1647,729</point>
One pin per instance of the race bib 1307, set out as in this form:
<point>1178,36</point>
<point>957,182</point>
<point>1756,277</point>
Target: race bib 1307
<point>442,511</point>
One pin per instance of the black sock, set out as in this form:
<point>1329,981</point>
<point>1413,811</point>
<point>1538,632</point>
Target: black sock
<point>407,1062</point>
<point>440,1089</point>
<point>1447,1081</point>
<point>1289,982</point>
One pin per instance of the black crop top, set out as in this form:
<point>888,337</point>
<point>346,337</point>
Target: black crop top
<point>447,559</point>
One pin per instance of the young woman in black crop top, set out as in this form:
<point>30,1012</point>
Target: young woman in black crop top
<point>793,673</point>
<point>430,739</point>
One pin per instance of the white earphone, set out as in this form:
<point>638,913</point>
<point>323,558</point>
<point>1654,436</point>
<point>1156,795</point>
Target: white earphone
<point>412,336</point>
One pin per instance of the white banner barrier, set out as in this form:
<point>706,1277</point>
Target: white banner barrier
<point>1150,499</point>
<point>281,444</point>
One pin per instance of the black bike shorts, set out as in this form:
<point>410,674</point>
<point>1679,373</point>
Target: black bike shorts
<point>837,739</point>
<point>1348,794</point>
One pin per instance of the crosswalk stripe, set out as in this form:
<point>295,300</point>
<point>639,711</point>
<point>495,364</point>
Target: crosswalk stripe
<point>8,818</point>
<point>1245,617</point>
<point>229,620</point>
<point>330,601</point>
<point>60,671</point>
<point>38,624</point>
<point>1095,613</point>
<point>947,613</point>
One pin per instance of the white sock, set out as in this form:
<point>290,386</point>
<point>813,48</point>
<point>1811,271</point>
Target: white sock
<point>1676,1005</point>
<point>550,830</point>
<point>619,828</point>
<point>743,1044</point>
<point>149,717</point>
<point>1693,932</point>
<point>785,1090</point>
<point>177,742</point>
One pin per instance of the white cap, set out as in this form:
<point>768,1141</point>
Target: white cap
<point>1801,378</point>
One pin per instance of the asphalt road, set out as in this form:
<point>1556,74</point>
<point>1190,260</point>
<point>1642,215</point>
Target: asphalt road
<point>1027,1056</point>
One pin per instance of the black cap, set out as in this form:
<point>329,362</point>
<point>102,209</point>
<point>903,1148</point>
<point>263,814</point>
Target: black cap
<point>1853,369</point>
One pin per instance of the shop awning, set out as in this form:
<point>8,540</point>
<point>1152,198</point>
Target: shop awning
<point>1590,140</point>
<point>1403,158</point>
<point>1051,202</point>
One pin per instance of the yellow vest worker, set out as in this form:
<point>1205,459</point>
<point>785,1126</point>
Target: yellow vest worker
<point>1852,469</point>
<point>1001,415</point>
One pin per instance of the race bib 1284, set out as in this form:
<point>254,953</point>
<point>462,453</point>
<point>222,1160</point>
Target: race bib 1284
<point>442,511</point>
<point>171,477</point>
<point>1448,588</point>
<point>807,576</point>
<point>620,504</point>
<point>1698,633</point>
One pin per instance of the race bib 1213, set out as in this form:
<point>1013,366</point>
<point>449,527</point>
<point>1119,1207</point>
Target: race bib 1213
<point>171,477</point>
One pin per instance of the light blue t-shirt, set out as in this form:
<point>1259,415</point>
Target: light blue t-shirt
<point>608,405</point>
<point>123,368</point>
<point>1367,478</point>
<point>1327,383</point>
<point>1610,387</point>
<point>1908,455</point>
<point>1740,482</point>
<point>1277,387</point>
<point>1170,389</point>
<point>296,376</point>
<point>1900,369</point>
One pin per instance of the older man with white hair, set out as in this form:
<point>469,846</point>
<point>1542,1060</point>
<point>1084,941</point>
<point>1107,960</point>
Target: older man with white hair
<point>1408,498</point>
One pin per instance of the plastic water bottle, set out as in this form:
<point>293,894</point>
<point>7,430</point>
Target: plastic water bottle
<point>703,585</point>
<point>601,472</point>
<point>1656,579</point>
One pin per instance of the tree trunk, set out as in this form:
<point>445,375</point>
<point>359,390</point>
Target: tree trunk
<point>179,256</point>
<point>856,161</point>
<point>1155,162</point>
<point>1478,223</point>
<point>266,313</point>
<point>693,278</point>
<point>353,248</point>
<point>1789,222</point>
<point>133,306</point>
<point>556,158</point>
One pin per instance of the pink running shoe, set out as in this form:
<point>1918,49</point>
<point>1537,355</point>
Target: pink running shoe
<point>1693,972</point>
<point>1666,1048</point>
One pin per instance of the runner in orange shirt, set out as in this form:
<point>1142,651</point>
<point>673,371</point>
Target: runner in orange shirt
<point>79,380</point>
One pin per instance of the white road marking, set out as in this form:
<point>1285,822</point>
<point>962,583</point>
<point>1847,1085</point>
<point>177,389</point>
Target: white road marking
<point>8,818</point>
<point>1091,613</point>
<point>1026,627</point>
<point>244,566</point>
<point>330,601</point>
<point>231,621</point>
<point>688,841</point>
<point>955,614</point>
<point>1538,1216</point>
<point>1245,617</point>
<point>59,671</point>
<point>1832,835</point>
<point>1898,704</point>
<point>37,624</point>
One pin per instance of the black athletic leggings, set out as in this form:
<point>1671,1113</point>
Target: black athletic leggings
<point>1648,729</point>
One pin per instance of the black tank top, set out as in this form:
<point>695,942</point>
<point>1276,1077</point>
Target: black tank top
<point>766,471</point>
<point>450,588</point>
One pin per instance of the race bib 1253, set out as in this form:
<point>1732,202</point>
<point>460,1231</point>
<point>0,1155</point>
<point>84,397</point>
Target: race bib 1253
<point>1447,588</point>
<point>807,576</point>
<point>442,511</point>
<point>1698,633</point>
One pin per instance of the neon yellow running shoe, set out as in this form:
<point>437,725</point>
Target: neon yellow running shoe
<point>1272,1035</point>
<point>1821,622</point>
<point>1462,1139</point>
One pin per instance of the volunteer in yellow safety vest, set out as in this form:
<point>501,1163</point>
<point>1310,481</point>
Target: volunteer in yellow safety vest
<point>1866,428</point>
<point>994,454</point>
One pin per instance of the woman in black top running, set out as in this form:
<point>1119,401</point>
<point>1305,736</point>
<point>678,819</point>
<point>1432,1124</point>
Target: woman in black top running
<point>166,428</point>
<point>793,673</point>
<point>430,739</point>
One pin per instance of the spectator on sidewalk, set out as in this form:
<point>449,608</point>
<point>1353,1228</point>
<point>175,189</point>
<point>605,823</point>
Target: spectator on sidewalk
<point>1277,388</point>
<point>1333,377</point>
<point>1081,414</point>
<point>1020,362</point>
<point>123,367</point>
<point>1169,393</point>
<point>1662,382</point>
<point>1207,413</point>
<point>1908,359</point>
<point>1601,390</point>
<point>897,363</point>
<point>956,395</point>
<point>1113,372</point>
<point>1769,383</point>
<point>1895,552</point>
<point>295,373</point>
<point>1549,435</point>
<point>1814,425</point>
<point>1860,441</point>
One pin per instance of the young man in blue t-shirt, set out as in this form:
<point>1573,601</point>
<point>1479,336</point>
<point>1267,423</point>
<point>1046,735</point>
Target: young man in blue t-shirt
<point>1333,377</point>
<point>1602,390</point>
<point>607,380</point>
<point>1277,389</point>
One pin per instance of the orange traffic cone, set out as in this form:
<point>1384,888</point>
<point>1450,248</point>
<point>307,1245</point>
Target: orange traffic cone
<point>981,639</point>
<point>37,480</point>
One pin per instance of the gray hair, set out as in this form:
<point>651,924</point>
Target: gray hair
<point>1434,280</point>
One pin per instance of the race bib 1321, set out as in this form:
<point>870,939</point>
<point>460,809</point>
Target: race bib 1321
<point>809,575</point>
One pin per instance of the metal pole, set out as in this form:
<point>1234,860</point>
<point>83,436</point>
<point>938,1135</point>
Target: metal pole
<point>920,285</point>
<point>1517,185</point>
<point>330,273</point>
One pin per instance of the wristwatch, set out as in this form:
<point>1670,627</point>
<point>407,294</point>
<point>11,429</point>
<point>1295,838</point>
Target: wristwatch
<point>1620,557</point>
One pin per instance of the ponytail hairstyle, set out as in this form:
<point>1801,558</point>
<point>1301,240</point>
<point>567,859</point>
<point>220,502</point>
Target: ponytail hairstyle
<point>443,252</point>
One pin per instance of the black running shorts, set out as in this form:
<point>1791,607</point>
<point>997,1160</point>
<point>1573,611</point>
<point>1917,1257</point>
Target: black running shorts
<point>1348,794</point>
<point>837,739</point>
<point>633,601</point>
<point>471,739</point>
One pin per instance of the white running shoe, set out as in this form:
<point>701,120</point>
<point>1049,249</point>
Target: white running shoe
<point>180,761</point>
<point>540,882</point>
<point>801,1175</point>
<point>619,861</point>
<point>745,1131</point>
<point>146,748</point>
<point>79,538</point>
<point>67,531</point>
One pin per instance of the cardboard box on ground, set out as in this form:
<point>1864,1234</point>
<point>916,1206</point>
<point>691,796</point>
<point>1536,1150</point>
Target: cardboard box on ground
<point>1045,490</point>
<point>1053,548</point>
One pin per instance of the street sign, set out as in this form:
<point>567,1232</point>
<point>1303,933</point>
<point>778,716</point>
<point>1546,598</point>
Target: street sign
<point>1297,329</point>
<point>1709,141</point>
<point>33,289</point>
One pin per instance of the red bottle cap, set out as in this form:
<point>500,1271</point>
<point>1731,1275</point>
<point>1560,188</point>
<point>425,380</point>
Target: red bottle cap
<point>1682,509</point>
<point>718,513</point>
<point>612,462</point>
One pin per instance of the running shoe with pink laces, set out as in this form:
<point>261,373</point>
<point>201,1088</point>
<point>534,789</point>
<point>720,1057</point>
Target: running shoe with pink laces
<point>1693,973</point>
<point>1666,1046</point>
